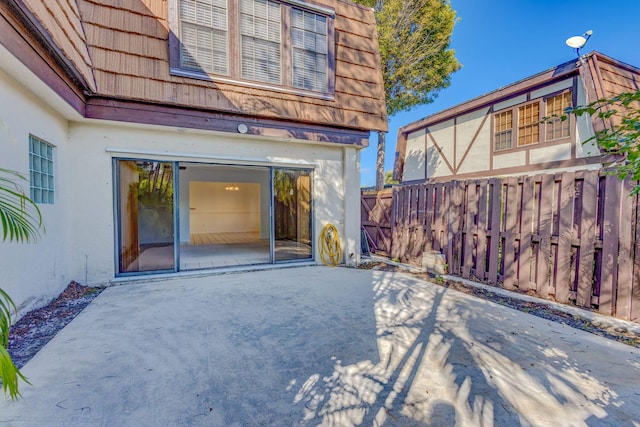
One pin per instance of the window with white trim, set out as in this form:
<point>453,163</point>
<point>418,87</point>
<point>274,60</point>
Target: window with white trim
<point>41,171</point>
<point>268,43</point>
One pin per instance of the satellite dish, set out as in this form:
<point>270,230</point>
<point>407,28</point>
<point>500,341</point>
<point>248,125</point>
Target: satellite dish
<point>576,42</point>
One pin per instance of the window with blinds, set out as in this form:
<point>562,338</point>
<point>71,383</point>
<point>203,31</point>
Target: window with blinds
<point>310,50</point>
<point>502,124</point>
<point>260,23</point>
<point>529,124</point>
<point>556,106</point>
<point>203,36</point>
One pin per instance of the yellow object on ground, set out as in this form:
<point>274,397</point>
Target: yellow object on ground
<point>329,242</point>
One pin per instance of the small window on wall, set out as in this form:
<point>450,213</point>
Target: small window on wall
<point>41,171</point>
<point>503,124</point>
<point>556,106</point>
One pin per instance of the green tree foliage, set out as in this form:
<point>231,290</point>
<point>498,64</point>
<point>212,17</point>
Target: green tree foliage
<point>414,38</point>
<point>388,178</point>
<point>21,222</point>
<point>621,136</point>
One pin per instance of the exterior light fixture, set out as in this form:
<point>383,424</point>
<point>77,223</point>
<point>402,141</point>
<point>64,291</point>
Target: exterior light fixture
<point>578,42</point>
<point>232,187</point>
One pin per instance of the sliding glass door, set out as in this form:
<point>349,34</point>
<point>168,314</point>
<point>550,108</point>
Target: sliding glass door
<point>146,231</point>
<point>173,216</point>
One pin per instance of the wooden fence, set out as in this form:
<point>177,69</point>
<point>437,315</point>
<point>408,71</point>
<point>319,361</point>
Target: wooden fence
<point>570,237</point>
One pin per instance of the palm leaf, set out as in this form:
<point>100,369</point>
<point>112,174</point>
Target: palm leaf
<point>20,216</point>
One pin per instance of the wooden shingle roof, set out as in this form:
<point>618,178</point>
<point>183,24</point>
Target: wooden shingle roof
<point>121,49</point>
<point>61,21</point>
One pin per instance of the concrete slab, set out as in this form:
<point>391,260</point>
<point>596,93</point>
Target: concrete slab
<point>320,346</point>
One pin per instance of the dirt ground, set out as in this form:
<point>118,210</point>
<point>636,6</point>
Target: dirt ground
<point>540,309</point>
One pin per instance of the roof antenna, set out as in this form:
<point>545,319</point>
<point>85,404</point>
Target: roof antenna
<point>578,42</point>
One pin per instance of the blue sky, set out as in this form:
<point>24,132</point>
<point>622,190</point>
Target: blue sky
<point>501,41</point>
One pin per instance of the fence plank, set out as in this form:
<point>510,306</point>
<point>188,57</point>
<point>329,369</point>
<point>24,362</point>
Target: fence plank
<point>481,241</point>
<point>469,229</point>
<point>438,218</point>
<point>562,266</point>
<point>625,247</point>
<point>588,231</point>
<point>455,263</point>
<point>495,188</point>
<point>544,222</point>
<point>511,218</point>
<point>635,301</point>
<point>526,218</point>
<point>610,245</point>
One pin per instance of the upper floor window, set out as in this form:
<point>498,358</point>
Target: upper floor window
<point>203,35</point>
<point>260,24</point>
<point>523,123</point>
<point>556,106</point>
<point>309,39</point>
<point>529,124</point>
<point>41,182</point>
<point>268,42</point>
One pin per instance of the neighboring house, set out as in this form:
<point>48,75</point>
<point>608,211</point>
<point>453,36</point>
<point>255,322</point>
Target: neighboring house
<point>503,132</point>
<point>167,136</point>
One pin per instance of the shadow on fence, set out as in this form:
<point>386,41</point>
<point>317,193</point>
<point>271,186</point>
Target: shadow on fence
<point>570,237</point>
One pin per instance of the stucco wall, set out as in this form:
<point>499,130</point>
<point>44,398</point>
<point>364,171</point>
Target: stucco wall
<point>94,240</point>
<point>34,273</point>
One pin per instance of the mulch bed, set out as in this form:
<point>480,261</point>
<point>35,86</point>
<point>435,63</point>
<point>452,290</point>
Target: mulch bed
<point>539,309</point>
<point>36,328</point>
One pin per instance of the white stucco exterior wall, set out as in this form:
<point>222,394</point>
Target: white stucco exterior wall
<point>34,273</point>
<point>477,156</point>
<point>416,156</point>
<point>335,176</point>
<point>442,133</point>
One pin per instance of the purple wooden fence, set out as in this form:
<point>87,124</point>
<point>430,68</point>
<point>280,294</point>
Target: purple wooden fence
<point>571,237</point>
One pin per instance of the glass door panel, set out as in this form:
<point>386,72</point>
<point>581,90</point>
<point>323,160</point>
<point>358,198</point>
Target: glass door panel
<point>146,229</point>
<point>224,215</point>
<point>292,214</point>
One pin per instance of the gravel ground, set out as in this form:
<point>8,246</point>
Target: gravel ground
<point>36,328</point>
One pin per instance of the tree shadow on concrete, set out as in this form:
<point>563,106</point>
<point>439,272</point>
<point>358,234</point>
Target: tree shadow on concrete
<point>449,359</point>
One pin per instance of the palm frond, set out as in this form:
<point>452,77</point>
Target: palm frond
<point>20,217</point>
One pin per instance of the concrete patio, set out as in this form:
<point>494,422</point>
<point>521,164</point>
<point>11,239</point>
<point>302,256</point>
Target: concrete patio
<point>320,346</point>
